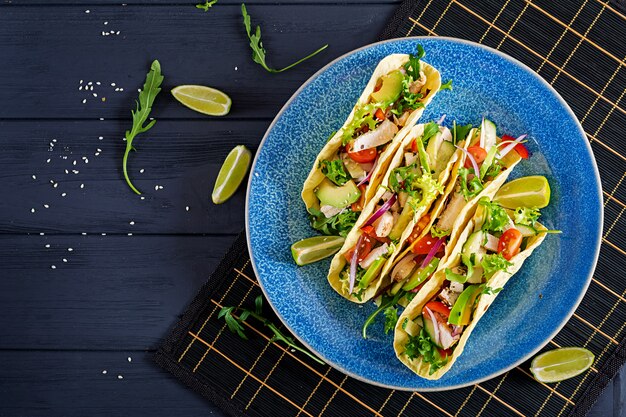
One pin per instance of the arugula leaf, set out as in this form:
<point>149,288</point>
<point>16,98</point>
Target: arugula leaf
<point>496,218</point>
<point>430,130</point>
<point>151,88</point>
<point>494,263</point>
<point>469,188</point>
<point>437,232</point>
<point>420,188</point>
<point>339,224</point>
<point>391,318</point>
<point>459,132</point>
<point>387,302</point>
<point>335,171</point>
<point>527,216</point>
<point>494,169</point>
<point>235,326</point>
<point>207,5</point>
<point>422,345</point>
<point>413,66</point>
<point>258,52</point>
<point>488,290</point>
<point>446,86</point>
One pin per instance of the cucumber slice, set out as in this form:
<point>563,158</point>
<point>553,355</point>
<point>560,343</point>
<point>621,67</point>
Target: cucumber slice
<point>432,149</point>
<point>474,245</point>
<point>487,135</point>
<point>412,327</point>
<point>446,150</point>
<point>526,230</point>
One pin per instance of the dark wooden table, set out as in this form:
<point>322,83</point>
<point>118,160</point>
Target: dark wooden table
<point>92,276</point>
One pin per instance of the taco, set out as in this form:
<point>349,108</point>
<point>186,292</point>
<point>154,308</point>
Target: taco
<point>483,167</point>
<point>347,171</point>
<point>417,175</point>
<point>433,329</point>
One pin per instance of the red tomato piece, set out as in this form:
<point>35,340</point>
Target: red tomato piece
<point>509,243</point>
<point>362,157</point>
<point>358,205</point>
<point>364,249</point>
<point>380,114</point>
<point>423,246</point>
<point>478,153</point>
<point>437,307</point>
<point>521,150</point>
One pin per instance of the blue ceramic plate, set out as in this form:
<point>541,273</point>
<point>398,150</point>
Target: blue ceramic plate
<point>536,303</point>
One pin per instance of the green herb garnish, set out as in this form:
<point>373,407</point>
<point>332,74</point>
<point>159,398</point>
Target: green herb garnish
<point>391,318</point>
<point>335,171</point>
<point>437,232</point>
<point>494,263</point>
<point>484,289</point>
<point>386,303</point>
<point>339,224</point>
<point>234,324</point>
<point>413,66</point>
<point>446,86</point>
<point>206,6</point>
<point>143,107</point>
<point>469,188</point>
<point>459,132</point>
<point>496,218</point>
<point>258,52</point>
<point>527,216</point>
<point>422,345</point>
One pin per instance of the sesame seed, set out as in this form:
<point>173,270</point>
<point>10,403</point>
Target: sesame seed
<point>84,234</point>
<point>142,197</point>
<point>141,171</point>
<point>42,234</point>
<point>132,223</point>
<point>98,82</point>
<point>112,84</point>
<point>100,137</point>
<point>54,140</point>
<point>86,11</point>
<point>56,185</point>
<point>95,95</point>
<point>82,186</point>
<point>121,88</point>
<point>236,68</point>
<point>102,118</point>
<point>53,267</point>
<point>64,260</point>
<point>46,206</point>
<point>96,154</point>
<point>80,88</point>
<point>34,177</point>
<point>47,245</point>
<point>130,359</point>
<point>48,161</point>
<point>32,210</point>
<point>156,188</point>
<point>63,194</point>
<point>130,234</point>
<point>187,208</point>
<point>74,163</point>
<point>86,160</point>
<point>103,234</point>
<point>71,249</point>
<point>99,150</point>
<point>81,81</point>
<point>104,372</point>
<point>75,171</point>
<point>89,83</point>
<point>117,33</point>
<point>117,89</point>
<point>120,377</point>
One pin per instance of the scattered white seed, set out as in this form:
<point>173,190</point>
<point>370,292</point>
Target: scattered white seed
<point>102,118</point>
<point>47,245</point>
<point>130,359</point>
<point>34,177</point>
<point>112,84</point>
<point>99,150</point>
<point>121,88</point>
<point>71,249</point>
<point>120,377</point>
<point>90,83</point>
<point>86,11</point>
<point>256,174</point>
<point>53,267</point>
<point>187,208</point>
<point>63,194</point>
<point>82,186</point>
<point>48,161</point>
<point>95,95</point>
<point>66,171</point>
<point>98,82</point>
<point>42,234</point>
<point>143,198</point>
<point>141,171</point>
<point>103,234</point>
<point>56,184</point>
<point>64,260</point>
<point>156,188</point>
<point>74,163</point>
<point>132,223</point>
<point>75,171</point>
<point>130,234</point>
<point>32,210</point>
<point>86,160</point>
<point>117,33</point>
<point>84,234</point>
<point>54,140</point>
<point>81,81</point>
<point>104,372</point>
<point>80,88</point>
<point>236,68</point>
<point>96,154</point>
<point>46,206</point>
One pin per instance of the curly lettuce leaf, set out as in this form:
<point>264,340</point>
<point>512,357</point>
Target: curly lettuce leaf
<point>526,215</point>
<point>339,224</point>
<point>335,171</point>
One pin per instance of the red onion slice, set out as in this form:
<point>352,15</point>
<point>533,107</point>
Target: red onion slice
<point>472,160</point>
<point>353,262</point>
<point>433,251</point>
<point>456,330</point>
<point>512,145</point>
<point>381,210</point>
<point>369,174</point>
<point>435,324</point>
<point>441,119</point>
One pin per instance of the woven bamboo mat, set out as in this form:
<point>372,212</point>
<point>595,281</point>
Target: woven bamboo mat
<point>577,46</point>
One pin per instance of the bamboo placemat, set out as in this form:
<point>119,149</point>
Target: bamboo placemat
<point>578,46</point>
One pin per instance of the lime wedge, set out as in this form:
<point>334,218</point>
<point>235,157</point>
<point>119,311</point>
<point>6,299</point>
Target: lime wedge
<point>313,249</point>
<point>560,364</point>
<point>231,174</point>
<point>203,99</point>
<point>531,191</point>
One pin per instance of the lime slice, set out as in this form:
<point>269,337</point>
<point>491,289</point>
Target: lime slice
<point>231,174</point>
<point>313,249</point>
<point>531,191</point>
<point>560,364</point>
<point>203,99</point>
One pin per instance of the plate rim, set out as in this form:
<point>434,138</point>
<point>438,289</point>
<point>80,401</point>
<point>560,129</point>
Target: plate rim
<point>598,190</point>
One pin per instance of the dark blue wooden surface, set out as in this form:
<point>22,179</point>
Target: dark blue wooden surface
<point>112,296</point>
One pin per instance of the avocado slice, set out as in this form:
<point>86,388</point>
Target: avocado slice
<point>372,272</point>
<point>446,150</point>
<point>330,194</point>
<point>421,274</point>
<point>390,89</point>
<point>462,310</point>
<point>403,220</point>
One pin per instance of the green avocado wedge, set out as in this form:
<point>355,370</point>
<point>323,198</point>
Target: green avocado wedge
<point>461,312</point>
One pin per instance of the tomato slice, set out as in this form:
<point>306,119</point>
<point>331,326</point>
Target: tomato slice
<point>417,229</point>
<point>437,307</point>
<point>371,232</point>
<point>414,146</point>
<point>364,249</point>
<point>521,150</point>
<point>509,243</point>
<point>358,205</point>
<point>362,157</point>
<point>423,246</point>
<point>380,114</point>
<point>444,353</point>
<point>478,153</point>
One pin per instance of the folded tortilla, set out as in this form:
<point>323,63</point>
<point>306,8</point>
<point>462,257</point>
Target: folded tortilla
<point>382,280</point>
<point>333,146</point>
<point>433,286</point>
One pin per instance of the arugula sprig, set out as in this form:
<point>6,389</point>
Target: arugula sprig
<point>258,52</point>
<point>446,86</point>
<point>422,345</point>
<point>339,224</point>
<point>143,107</point>
<point>388,306</point>
<point>207,5</point>
<point>234,324</point>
